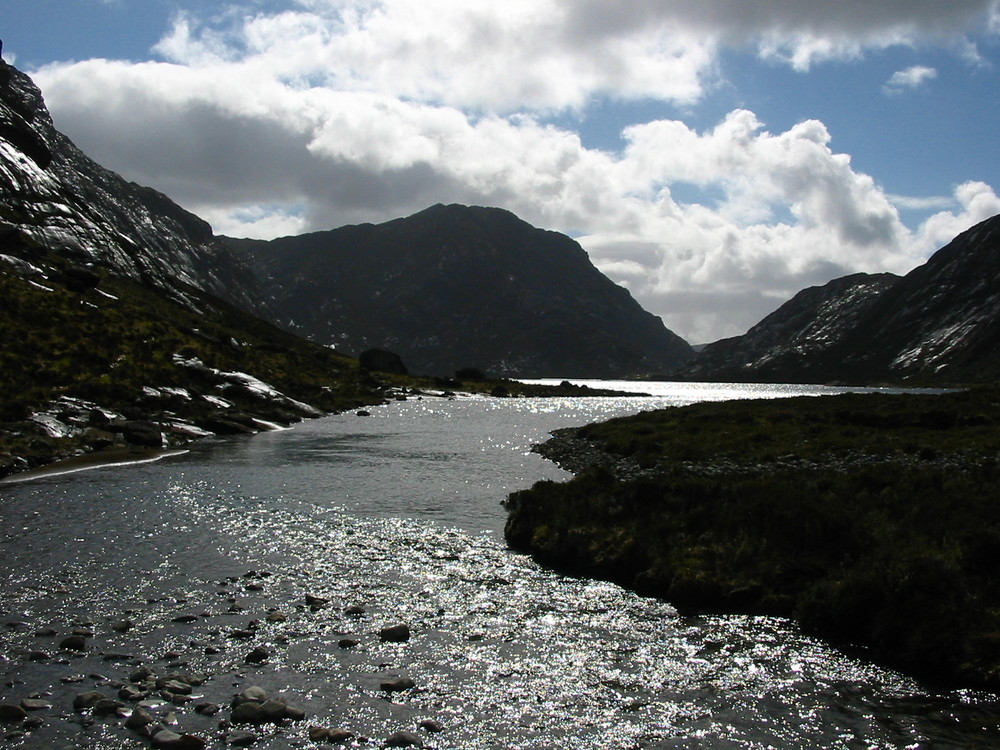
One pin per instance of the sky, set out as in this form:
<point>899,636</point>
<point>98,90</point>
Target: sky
<point>712,156</point>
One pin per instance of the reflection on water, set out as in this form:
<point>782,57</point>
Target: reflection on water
<point>399,512</point>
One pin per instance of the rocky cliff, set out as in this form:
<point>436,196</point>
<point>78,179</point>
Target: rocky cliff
<point>796,342</point>
<point>939,323</point>
<point>53,196</point>
<point>458,286</point>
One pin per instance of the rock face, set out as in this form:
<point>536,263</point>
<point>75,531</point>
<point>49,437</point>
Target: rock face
<point>796,341</point>
<point>939,322</point>
<point>55,197</point>
<point>458,286</point>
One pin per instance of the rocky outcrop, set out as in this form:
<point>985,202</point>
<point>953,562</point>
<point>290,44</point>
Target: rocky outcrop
<point>459,286</point>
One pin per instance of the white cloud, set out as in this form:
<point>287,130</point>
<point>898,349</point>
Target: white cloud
<point>343,111</point>
<point>912,78</point>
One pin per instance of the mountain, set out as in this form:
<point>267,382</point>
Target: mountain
<point>458,286</point>
<point>942,320</point>
<point>111,336</point>
<point>796,342</point>
<point>939,323</point>
<point>53,196</point>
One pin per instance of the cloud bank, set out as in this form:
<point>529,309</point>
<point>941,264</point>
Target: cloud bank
<point>341,111</point>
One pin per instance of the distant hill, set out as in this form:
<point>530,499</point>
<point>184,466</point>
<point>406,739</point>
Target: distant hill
<point>939,323</point>
<point>458,286</point>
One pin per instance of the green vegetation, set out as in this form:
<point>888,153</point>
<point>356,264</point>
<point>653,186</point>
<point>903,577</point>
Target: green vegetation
<point>874,520</point>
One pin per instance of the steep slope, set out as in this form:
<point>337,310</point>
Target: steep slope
<point>939,323</point>
<point>457,286</point>
<point>942,320</point>
<point>110,338</point>
<point>796,341</point>
<point>53,196</point>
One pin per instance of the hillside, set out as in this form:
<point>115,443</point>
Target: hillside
<point>797,342</point>
<point>457,286</point>
<point>939,323</point>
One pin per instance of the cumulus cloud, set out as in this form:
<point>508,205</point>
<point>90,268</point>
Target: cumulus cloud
<point>342,111</point>
<point>912,78</point>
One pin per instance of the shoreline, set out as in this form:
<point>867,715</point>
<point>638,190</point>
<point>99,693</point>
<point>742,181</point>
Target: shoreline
<point>100,459</point>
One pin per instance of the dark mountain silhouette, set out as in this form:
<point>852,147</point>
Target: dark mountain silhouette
<point>458,286</point>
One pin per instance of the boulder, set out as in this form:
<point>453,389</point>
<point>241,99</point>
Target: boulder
<point>395,634</point>
<point>379,360</point>
<point>143,433</point>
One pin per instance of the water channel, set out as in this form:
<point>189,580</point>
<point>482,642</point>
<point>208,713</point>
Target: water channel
<point>399,513</point>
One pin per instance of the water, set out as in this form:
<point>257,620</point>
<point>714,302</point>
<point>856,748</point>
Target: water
<point>400,513</point>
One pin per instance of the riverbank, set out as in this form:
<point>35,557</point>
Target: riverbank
<point>873,520</point>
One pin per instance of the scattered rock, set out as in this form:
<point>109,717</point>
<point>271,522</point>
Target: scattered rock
<point>184,618</point>
<point>10,713</point>
<point>276,616</point>
<point>107,707</point>
<point>322,734</point>
<point>141,432</point>
<point>122,626</point>
<point>241,738</point>
<point>316,602</point>
<point>431,725</point>
<point>87,700</point>
<point>398,685</point>
<point>207,709</point>
<point>404,739</point>
<point>354,611</point>
<point>73,643</point>
<point>395,634</point>
<point>46,632</point>
<point>132,694</point>
<point>169,739</point>
<point>35,704</point>
<point>348,642</point>
<point>258,656</point>
<point>249,712</point>
<point>139,718</point>
<point>253,693</point>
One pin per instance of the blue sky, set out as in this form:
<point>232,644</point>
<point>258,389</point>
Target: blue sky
<point>713,157</point>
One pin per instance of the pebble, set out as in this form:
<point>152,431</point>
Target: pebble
<point>73,643</point>
<point>45,632</point>
<point>395,634</point>
<point>122,626</point>
<point>397,685</point>
<point>431,725</point>
<point>87,700</point>
<point>276,616</point>
<point>404,739</point>
<point>354,611</point>
<point>35,704</point>
<point>10,712</point>
<point>316,602</point>
<point>139,718</point>
<point>348,642</point>
<point>322,734</point>
<point>240,738</point>
<point>258,656</point>
<point>169,739</point>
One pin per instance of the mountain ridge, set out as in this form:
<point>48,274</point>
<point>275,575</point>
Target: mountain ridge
<point>457,286</point>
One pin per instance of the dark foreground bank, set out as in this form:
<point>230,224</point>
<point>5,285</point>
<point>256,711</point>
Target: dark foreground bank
<point>872,519</point>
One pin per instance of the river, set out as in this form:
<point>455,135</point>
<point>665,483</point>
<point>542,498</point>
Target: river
<point>399,513</point>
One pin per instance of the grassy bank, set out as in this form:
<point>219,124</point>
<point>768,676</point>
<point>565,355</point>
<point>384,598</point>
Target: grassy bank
<point>872,519</point>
